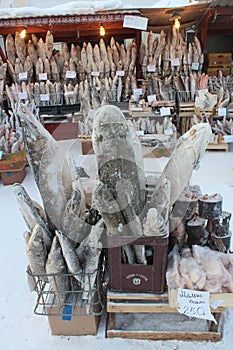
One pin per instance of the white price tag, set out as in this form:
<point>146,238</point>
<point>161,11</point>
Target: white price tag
<point>69,93</point>
<point>195,66</point>
<point>120,73</point>
<point>222,112</point>
<point>44,97</point>
<point>43,76</point>
<point>95,74</point>
<point>175,62</point>
<point>202,92</point>
<point>151,98</point>
<point>194,303</point>
<point>140,132</point>
<point>151,68</point>
<point>23,96</point>
<point>137,92</point>
<point>164,111</point>
<point>23,76</point>
<point>135,22</point>
<point>71,74</point>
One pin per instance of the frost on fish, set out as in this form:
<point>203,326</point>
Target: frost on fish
<point>154,224</point>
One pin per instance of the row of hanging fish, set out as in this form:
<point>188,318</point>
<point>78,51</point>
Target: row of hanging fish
<point>170,54</point>
<point>11,140</point>
<point>200,268</point>
<point>37,57</point>
<point>153,126</point>
<point>63,234</point>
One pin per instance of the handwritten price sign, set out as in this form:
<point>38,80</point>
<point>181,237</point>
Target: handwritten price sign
<point>194,303</point>
<point>135,22</point>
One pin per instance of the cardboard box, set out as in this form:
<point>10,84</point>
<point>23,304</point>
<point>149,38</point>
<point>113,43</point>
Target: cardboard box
<point>12,177</point>
<point>219,59</point>
<point>148,278</point>
<point>72,324</point>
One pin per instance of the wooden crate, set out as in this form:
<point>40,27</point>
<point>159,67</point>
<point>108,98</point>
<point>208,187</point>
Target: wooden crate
<point>186,113</point>
<point>13,176</point>
<point>218,146</point>
<point>157,306</point>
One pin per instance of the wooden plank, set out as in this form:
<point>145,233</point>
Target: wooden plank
<point>139,307</point>
<point>152,335</point>
<point>136,296</point>
<point>218,146</point>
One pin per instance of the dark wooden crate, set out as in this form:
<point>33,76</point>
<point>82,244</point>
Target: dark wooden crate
<point>11,177</point>
<point>137,277</point>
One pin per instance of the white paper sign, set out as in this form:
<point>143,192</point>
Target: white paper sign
<point>23,76</point>
<point>135,22</point>
<point>43,76</point>
<point>95,74</point>
<point>202,92</point>
<point>151,98</point>
<point>151,68</point>
<point>23,95</point>
<point>222,112</point>
<point>69,93</point>
<point>194,303</point>
<point>137,92</point>
<point>139,132</point>
<point>120,73</point>
<point>195,66</point>
<point>71,74</point>
<point>44,97</point>
<point>175,62</point>
<point>164,111</point>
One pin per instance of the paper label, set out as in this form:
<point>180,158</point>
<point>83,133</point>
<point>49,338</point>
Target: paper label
<point>175,62</point>
<point>164,111</point>
<point>137,92</point>
<point>135,22</point>
<point>69,93</point>
<point>222,112</point>
<point>195,66</point>
<point>44,97</point>
<point>202,92</point>
<point>151,68</point>
<point>139,132</point>
<point>151,98</point>
<point>23,95</point>
<point>23,76</point>
<point>43,76</point>
<point>71,74</point>
<point>120,73</point>
<point>95,74</point>
<point>194,303</point>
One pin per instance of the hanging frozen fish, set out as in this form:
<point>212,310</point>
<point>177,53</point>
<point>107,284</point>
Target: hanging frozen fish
<point>49,44</point>
<point>186,156</point>
<point>32,52</point>
<point>41,49</point>
<point>55,73</point>
<point>56,270</point>
<point>20,47</point>
<point>10,49</point>
<point>65,52</point>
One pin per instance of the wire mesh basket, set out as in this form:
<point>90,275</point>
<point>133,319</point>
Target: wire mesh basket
<point>71,299</point>
<point>48,99</point>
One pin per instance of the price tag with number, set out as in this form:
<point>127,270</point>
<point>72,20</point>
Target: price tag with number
<point>23,76</point>
<point>137,92</point>
<point>43,76</point>
<point>23,95</point>
<point>151,68</point>
<point>44,97</point>
<point>151,98</point>
<point>194,303</point>
<point>120,73</point>
<point>195,66</point>
<point>175,62</point>
<point>95,74</point>
<point>164,111</point>
<point>71,74</point>
<point>222,112</point>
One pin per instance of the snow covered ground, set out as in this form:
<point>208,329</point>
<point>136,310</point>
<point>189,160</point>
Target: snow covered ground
<point>21,329</point>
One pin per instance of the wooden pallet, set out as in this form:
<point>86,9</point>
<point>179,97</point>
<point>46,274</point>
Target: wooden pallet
<point>218,146</point>
<point>157,306</point>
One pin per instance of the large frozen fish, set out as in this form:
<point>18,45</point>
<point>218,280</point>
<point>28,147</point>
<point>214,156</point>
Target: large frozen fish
<point>20,47</point>
<point>32,213</point>
<point>37,252</point>
<point>186,156</point>
<point>10,49</point>
<point>56,271</point>
<point>47,158</point>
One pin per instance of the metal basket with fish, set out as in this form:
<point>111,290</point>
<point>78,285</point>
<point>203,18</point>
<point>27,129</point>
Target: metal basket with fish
<point>48,99</point>
<point>68,297</point>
